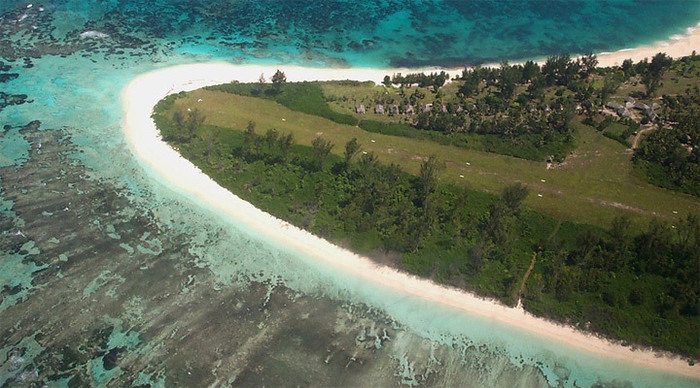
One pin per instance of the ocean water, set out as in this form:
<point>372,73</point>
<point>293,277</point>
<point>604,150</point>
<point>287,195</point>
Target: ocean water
<point>109,276</point>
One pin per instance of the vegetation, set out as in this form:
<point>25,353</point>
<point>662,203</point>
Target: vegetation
<point>670,157</point>
<point>525,110</point>
<point>620,131</point>
<point>533,140</point>
<point>595,185</point>
<point>652,74</point>
<point>637,286</point>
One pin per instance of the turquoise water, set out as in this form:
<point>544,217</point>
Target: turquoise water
<point>73,84</point>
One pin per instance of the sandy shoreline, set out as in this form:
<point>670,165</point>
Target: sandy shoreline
<point>141,94</point>
<point>676,46</point>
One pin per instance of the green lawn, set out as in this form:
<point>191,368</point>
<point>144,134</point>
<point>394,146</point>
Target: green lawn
<point>594,184</point>
<point>620,132</point>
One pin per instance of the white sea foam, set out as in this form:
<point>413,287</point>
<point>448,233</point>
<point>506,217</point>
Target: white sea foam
<point>93,35</point>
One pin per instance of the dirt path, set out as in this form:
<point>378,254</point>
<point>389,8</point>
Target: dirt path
<point>519,292</point>
<point>638,137</point>
<point>517,295</point>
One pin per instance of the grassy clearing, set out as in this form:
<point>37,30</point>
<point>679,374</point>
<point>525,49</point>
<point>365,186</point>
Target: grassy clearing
<point>595,184</point>
<point>619,132</point>
<point>337,101</point>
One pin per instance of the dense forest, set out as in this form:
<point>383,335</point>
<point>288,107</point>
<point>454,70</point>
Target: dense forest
<point>671,156</point>
<point>641,287</point>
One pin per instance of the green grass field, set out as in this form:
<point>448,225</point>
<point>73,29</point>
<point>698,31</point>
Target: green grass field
<point>594,184</point>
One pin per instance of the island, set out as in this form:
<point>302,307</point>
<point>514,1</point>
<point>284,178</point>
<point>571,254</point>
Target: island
<point>377,169</point>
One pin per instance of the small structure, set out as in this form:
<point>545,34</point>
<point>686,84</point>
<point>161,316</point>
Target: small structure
<point>614,106</point>
<point>360,109</point>
<point>427,108</point>
<point>651,114</point>
<point>393,109</point>
<point>379,109</point>
<point>621,110</point>
<point>640,106</point>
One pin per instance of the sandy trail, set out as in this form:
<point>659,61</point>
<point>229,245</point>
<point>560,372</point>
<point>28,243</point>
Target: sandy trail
<point>638,137</point>
<point>142,94</point>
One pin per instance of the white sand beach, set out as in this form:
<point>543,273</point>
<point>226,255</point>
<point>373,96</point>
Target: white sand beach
<point>676,46</point>
<point>142,94</point>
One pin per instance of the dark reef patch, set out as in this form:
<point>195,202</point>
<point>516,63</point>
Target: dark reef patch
<point>101,308</point>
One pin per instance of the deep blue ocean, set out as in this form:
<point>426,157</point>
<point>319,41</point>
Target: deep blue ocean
<point>109,277</point>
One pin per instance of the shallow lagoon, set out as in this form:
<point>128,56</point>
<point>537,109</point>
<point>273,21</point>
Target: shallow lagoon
<point>112,277</point>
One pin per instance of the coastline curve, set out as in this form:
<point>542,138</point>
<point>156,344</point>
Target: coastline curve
<point>142,94</point>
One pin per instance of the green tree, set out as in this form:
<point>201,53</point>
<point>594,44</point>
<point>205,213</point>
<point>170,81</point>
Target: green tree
<point>387,81</point>
<point>627,68</point>
<point>496,227</point>
<point>321,148</point>
<point>278,79</point>
<point>476,258</point>
<point>210,139</point>
<point>620,231</point>
<point>610,85</point>
<point>559,70</point>
<point>368,161</point>
<point>195,119</point>
<point>652,249</point>
<point>285,144</point>
<point>249,134</point>
<point>270,141</point>
<point>179,119</point>
<point>470,86</point>
<point>587,65</point>
<point>439,80</point>
<point>530,71</point>
<point>427,180</point>
<point>352,147</point>
<point>536,89</point>
<point>509,77</point>
<point>655,71</point>
<point>513,196</point>
<point>689,233</point>
<point>261,85</point>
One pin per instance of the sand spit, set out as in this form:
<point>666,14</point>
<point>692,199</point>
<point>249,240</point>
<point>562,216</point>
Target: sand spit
<point>141,95</point>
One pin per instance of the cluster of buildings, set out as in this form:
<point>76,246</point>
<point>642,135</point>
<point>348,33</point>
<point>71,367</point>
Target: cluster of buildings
<point>408,109</point>
<point>627,110</point>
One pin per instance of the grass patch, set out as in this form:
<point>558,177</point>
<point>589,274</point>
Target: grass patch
<point>596,183</point>
<point>305,97</point>
<point>308,97</point>
<point>620,132</point>
<point>662,176</point>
